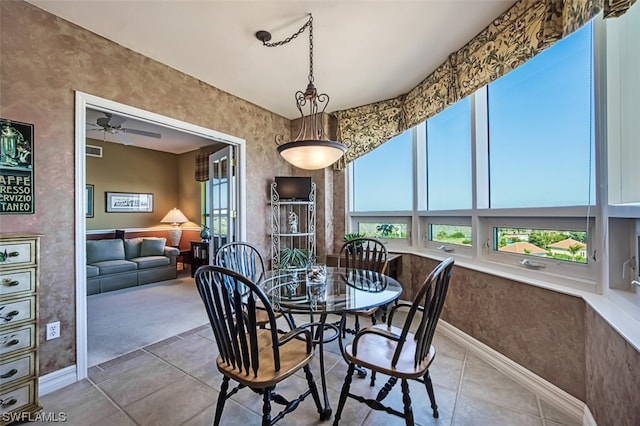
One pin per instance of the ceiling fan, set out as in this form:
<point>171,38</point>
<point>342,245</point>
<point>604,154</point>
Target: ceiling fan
<point>113,125</point>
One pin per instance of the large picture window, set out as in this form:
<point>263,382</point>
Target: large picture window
<point>449,158</point>
<point>541,144</point>
<point>383,179</point>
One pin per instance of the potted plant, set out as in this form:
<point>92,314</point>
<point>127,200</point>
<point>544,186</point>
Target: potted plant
<point>293,258</point>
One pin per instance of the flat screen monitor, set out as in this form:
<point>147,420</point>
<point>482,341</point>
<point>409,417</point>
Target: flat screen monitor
<point>290,188</point>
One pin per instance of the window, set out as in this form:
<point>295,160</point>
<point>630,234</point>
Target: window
<point>450,234</point>
<point>383,179</point>
<point>449,158</point>
<point>541,145</point>
<point>563,245</point>
<point>504,179</point>
<point>383,230</point>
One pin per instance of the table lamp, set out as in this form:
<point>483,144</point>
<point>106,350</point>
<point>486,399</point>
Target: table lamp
<point>175,217</point>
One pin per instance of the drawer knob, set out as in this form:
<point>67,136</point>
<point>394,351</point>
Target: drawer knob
<point>8,402</point>
<point>9,373</point>
<point>9,282</point>
<point>12,342</point>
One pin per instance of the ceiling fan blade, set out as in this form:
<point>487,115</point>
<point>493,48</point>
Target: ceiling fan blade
<point>115,121</point>
<point>123,138</point>
<point>142,133</point>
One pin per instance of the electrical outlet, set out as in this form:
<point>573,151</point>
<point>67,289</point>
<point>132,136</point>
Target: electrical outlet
<point>53,330</point>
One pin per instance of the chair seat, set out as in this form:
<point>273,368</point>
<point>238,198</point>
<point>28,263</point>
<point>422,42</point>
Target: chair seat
<point>376,353</point>
<point>293,356</point>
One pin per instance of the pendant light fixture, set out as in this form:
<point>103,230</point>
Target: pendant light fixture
<point>311,149</point>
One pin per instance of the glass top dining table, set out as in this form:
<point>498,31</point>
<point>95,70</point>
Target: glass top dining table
<point>344,290</point>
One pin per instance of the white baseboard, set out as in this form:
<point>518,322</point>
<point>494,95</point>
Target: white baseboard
<point>545,390</point>
<point>57,380</point>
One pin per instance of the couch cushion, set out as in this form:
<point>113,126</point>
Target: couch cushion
<point>101,250</point>
<point>115,266</point>
<point>151,261</point>
<point>152,247</point>
<point>132,247</point>
<point>92,271</point>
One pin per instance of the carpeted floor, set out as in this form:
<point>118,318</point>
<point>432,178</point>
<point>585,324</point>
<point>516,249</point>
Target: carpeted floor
<point>122,321</point>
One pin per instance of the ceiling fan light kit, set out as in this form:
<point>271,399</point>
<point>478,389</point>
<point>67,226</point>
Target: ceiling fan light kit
<point>311,149</point>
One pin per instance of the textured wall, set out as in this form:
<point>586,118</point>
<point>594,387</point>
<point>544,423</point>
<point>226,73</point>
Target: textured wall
<point>43,61</point>
<point>539,329</point>
<point>613,375</point>
<point>129,169</point>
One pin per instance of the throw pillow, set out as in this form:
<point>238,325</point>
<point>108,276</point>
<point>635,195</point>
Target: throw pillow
<point>152,247</point>
<point>132,247</point>
<point>101,250</point>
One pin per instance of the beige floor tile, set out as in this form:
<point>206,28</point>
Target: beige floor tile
<point>477,412</point>
<point>483,382</point>
<point>136,383</point>
<point>174,404</point>
<point>82,408</point>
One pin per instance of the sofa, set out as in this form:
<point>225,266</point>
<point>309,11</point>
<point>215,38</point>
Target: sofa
<point>114,264</point>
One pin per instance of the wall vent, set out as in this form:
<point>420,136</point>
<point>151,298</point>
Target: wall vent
<point>94,151</point>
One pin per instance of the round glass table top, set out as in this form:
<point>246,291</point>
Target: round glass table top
<point>342,290</point>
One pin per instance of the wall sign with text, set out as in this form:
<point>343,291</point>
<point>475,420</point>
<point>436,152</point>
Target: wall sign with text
<point>16,167</point>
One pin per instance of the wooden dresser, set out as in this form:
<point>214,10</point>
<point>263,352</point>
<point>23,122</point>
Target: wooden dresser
<point>19,279</point>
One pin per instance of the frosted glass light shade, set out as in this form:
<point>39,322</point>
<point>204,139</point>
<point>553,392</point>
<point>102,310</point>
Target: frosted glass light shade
<point>311,154</point>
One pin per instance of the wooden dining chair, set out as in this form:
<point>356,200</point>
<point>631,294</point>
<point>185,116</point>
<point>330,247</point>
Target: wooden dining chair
<point>252,357</point>
<point>365,254</point>
<point>243,258</point>
<point>246,260</point>
<point>398,352</point>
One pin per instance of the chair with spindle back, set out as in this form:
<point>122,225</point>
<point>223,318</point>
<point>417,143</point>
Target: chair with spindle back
<point>257,358</point>
<point>397,352</point>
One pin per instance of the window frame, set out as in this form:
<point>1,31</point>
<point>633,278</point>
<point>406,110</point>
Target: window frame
<point>482,219</point>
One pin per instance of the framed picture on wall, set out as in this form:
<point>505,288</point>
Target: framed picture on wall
<point>89,198</point>
<point>126,202</point>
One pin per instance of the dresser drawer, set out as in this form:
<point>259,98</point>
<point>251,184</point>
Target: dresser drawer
<point>17,398</point>
<point>17,311</point>
<point>15,369</point>
<point>17,253</point>
<point>17,339</point>
<point>16,282</point>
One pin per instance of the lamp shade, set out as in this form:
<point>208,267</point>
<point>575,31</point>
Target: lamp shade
<point>174,217</point>
<point>311,154</point>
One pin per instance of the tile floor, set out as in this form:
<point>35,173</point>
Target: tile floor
<point>175,382</point>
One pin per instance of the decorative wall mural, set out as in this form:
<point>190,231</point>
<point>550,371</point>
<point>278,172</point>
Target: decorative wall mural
<point>16,167</point>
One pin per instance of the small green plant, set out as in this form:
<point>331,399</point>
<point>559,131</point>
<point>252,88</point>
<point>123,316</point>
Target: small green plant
<point>293,258</point>
<point>353,235</point>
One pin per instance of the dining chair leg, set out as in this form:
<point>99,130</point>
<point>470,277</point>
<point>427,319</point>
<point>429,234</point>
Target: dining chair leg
<point>222,397</point>
<point>372,383</point>
<point>432,397</point>
<point>384,391</point>
<point>344,393</point>
<point>312,386</point>
<point>266,407</point>
<point>406,399</point>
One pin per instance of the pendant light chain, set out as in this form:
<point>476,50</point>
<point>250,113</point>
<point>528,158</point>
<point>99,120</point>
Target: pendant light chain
<point>309,24</point>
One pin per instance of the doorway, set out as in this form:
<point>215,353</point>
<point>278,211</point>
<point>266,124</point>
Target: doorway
<point>86,101</point>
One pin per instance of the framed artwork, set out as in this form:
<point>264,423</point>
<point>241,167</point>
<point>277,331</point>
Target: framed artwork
<point>89,198</point>
<point>16,167</point>
<point>127,202</point>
